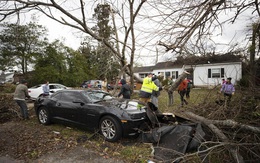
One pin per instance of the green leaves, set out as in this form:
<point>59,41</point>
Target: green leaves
<point>20,44</point>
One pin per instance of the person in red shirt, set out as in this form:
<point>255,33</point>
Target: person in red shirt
<point>182,88</point>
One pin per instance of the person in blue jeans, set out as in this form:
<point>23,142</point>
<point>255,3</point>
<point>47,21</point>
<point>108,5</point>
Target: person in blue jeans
<point>156,94</point>
<point>228,89</point>
<point>20,94</point>
<point>170,92</point>
<point>46,89</point>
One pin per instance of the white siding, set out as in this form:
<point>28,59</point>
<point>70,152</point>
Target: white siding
<point>200,74</point>
<point>163,71</point>
<point>6,77</point>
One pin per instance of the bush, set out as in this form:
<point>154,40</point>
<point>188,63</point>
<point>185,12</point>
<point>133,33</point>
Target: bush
<point>7,88</point>
<point>8,109</point>
<point>244,81</point>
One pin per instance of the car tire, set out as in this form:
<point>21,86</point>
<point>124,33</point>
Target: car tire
<point>110,128</point>
<point>44,116</point>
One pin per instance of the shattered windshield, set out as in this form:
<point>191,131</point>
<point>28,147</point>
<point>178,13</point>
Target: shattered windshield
<point>97,96</point>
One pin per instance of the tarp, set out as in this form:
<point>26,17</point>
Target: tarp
<point>171,140</point>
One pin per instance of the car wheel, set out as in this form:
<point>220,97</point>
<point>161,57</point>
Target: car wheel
<point>44,116</point>
<point>110,128</point>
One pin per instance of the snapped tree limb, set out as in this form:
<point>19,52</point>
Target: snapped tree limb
<point>233,150</point>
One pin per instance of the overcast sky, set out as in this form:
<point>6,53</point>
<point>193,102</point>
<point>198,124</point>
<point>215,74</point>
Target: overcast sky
<point>232,33</point>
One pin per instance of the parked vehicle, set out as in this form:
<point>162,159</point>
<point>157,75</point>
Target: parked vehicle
<point>93,109</point>
<point>36,91</point>
<point>112,85</point>
<point>92,84</point>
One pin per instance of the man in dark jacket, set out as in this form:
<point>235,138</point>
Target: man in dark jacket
<point>126,90</point>
<point>21,92</point>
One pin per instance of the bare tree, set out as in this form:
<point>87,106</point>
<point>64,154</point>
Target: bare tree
<point>185,20</point>
<point>75,15</point>
<point>252,49</point>
<point>175,25</point>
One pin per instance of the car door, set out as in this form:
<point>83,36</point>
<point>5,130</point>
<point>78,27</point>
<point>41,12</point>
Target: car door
<point>65,108</point>
<point>52,88</point>
<point>35,91</point>
<point>90,113</point>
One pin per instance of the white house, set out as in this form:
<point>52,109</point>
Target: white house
<point>210,74</point>
<point>6,77</point>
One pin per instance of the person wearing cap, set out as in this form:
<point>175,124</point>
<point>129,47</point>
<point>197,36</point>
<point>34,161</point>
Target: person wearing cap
<point>228,89</point>
<point>20,94</point>
<point>147,88</point>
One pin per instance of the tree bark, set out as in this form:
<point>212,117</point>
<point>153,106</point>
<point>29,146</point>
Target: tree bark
<point>178,81</point>
<point>117,80</point>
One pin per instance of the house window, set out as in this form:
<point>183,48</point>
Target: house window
<point>161,74</point>
<point>142,75</point>
<point>216,73</point>
<point>167,74</point>
<point>175,74</point>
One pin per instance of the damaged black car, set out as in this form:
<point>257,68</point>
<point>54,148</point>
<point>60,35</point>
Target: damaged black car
<point>94,110</point>
<point>115,118</point>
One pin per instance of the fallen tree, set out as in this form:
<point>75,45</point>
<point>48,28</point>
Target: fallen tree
<point>211,124</point>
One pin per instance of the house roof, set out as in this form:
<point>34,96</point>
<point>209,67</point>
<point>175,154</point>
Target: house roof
<point>144,69</point>
<point>158,66</point>
<point>168,64</point>
<point>192,60</point>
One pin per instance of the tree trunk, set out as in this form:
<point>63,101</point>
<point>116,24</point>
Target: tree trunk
<point>178,81</point>
<point>117,80</point>
<point>252,57</point>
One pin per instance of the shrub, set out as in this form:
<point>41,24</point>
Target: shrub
<point>7,88</point>
<point>244,81</point>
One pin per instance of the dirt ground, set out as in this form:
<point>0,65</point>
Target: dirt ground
<point>28,141</point>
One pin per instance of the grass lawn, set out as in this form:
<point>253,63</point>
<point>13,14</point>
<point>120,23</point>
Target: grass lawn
<point>198,96</point>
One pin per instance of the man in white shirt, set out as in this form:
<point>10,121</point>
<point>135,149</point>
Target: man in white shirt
<point>46,89</point>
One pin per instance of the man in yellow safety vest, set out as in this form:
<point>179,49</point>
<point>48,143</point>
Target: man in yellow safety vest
<point>147,88</point>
